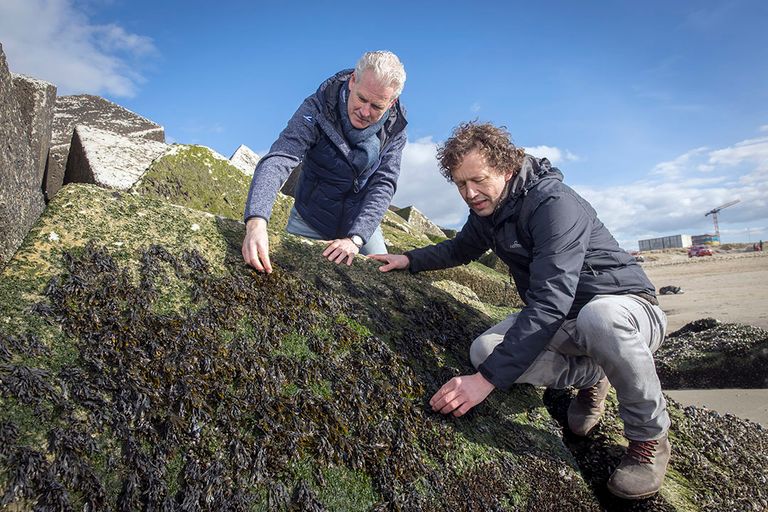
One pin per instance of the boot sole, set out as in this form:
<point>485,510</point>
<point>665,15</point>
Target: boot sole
<point>620,494</point>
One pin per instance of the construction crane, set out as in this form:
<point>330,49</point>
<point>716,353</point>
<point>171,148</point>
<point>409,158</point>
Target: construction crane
<point>714,212</point>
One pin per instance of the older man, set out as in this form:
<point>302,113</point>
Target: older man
<point>349,137</point>
<point>590,313</point>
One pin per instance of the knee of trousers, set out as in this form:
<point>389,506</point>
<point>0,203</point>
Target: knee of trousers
<point>482,347</point>
<point>600,320</point>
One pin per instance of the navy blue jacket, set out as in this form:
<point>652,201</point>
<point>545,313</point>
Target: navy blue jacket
<point>559,254</point>
<point>330,195</point>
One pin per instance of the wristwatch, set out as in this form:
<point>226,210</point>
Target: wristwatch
<point>357,241</point>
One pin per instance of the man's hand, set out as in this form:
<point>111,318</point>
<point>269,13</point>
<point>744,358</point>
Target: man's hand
<point>393,261</point>
<point>256,245</point>
<point>460,394</point>
<point>341,250</point>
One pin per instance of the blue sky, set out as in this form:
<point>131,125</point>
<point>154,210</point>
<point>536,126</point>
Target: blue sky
<point>655,111</point>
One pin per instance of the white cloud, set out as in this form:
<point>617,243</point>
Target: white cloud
<point>673,168</point>
<point>752,150</point>
<point>676,200</point>
<point>763,128</point>
<point>53,41</point>
<point>422,186</point>
<point>555,155</point>
<point>671,200</point>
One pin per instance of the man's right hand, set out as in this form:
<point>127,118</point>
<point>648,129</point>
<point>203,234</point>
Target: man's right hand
<point>256,245</point>
<point>393,261</point>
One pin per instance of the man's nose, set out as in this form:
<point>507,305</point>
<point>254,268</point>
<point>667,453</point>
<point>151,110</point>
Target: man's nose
<point>365,110</point>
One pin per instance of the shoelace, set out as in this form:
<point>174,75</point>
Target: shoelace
<point>588,395</point>
<point>642,451</point>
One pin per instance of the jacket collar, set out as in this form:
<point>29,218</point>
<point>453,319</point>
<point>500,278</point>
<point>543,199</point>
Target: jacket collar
<point>532,172</point>
<point>328,95</point>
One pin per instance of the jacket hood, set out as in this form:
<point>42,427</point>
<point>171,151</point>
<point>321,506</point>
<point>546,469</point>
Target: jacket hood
<point>532,172</point>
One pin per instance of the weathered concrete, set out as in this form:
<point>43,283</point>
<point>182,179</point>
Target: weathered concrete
<point>245,159</point>
<point>289,187</point>
<point>21,200</point>
<point>37,100</point>
<point>96,112</point>
<point>109,160</point>
<point>420,221</point>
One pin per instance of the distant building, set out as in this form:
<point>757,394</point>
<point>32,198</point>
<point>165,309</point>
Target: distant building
<point>665,242</point>
<point>706,239</point>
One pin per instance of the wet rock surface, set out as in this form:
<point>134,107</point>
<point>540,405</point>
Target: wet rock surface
<point>709,354</point>
<point>171,376</point>
<point>138,375</point>
<point>718,462</point>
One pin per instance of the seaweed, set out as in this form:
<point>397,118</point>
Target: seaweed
<point>191,391</point>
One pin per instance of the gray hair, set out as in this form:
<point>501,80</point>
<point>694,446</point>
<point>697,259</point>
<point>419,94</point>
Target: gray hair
<point>386,68</point>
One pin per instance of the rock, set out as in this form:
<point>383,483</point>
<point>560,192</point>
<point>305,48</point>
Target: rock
<point>109,160</point>
<point>245,159</point>
<point>449,233</point>
<point>21,200</point>
<point>421,222</point>
<point>289,187</point>
<point>95,112</point>
<point>669,290</point>
<point>137,349</point>
<point>490,260</point>
<point>37,99</point>
<point>707,354</point>
<point>197,177</point>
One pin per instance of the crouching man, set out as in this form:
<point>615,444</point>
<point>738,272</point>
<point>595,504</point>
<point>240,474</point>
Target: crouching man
<point>590,317</point>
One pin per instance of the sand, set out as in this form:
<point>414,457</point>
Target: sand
<point>729,287</point>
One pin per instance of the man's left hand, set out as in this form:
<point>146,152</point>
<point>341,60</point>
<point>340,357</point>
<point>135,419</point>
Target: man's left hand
<point>342,250</point>
<point>460,394</point>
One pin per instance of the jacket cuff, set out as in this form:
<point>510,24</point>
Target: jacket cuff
<point>493,379</point>
<point>407,254</point>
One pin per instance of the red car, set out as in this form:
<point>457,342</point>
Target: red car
<point>699,250</point>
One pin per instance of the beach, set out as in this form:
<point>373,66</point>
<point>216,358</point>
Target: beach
<point>731,287</point>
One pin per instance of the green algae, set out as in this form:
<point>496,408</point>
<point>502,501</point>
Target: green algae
<point>353,318</point>
<point>402,339</point>
<point>193,176</point>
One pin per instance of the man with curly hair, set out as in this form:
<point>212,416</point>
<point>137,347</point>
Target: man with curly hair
<point>590,319</point>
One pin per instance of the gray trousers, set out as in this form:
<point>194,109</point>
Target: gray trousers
<point>613,336</point>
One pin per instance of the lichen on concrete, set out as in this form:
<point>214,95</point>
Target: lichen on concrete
<point>196,177</point>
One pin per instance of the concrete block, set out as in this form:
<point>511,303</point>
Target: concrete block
<point>245,159</point>
<point>21,200</point>
<point>96,112</point>
<point>108,159</point>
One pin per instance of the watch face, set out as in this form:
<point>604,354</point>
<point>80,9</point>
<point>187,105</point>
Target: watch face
<point>357,241</point>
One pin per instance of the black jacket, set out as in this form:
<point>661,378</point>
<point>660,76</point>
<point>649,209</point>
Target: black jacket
<point>559,254</point>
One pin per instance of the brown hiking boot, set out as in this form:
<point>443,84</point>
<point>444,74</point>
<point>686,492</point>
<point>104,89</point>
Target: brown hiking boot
<point>587,408</point>
<point>642,469</point>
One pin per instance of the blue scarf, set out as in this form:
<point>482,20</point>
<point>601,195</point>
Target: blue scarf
<point>364,144</point>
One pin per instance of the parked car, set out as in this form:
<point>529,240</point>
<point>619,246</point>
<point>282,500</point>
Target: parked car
<point>699,250</point>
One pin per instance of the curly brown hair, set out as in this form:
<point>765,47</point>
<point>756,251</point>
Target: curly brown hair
<point>493,142</point>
